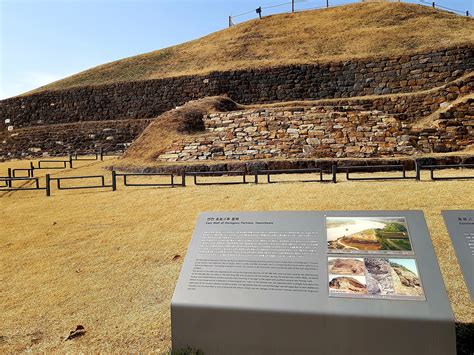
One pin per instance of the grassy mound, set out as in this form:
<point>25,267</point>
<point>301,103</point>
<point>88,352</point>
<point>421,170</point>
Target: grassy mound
<point>174,124</point>
<point>362,30</point>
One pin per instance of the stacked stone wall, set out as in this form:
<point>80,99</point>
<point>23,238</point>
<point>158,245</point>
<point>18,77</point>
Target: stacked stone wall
<point>321,132</point>
<point>150,98</point>
<point>111,136</point>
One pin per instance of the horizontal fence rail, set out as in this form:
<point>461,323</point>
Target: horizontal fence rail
<point>87,157</point>
<point>8,184</point>
<point>85,177</point>
<point>63,164</point>
<point>433,168</point>
<point>30,172</point>
<point>378,168</point>
<point>269,173</point>
<point>196,174</point>
<point>127,182</point>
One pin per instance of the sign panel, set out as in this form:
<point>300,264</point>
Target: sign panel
<point>460,226</point>
<point>312,282</point>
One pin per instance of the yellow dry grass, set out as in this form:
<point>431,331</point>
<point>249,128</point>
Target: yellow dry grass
<point>363,30</point>
<point>104,259</point>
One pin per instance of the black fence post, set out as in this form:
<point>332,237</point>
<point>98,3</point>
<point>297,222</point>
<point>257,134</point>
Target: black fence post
<point>183,178</point>
<point>9,178</point>
<point>327,3</point>
<point>434,5</point>
<point>417,170</point>
<point>334,173</point>
<point>467,13</point>
<point>256,176</point>
<point>70,161</point>
<point>48,185</point>
<point>114,180</point>
<point>101,153</point>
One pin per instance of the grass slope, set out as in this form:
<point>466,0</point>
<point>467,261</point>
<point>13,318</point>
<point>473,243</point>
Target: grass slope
<point>346,32</point>
<point>106,260</point>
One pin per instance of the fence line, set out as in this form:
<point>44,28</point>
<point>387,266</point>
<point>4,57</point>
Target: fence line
<point>7,182</point>
<point>292,8</point>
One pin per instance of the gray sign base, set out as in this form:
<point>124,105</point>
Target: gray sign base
<point>460,224</point>
<point>312,283</point>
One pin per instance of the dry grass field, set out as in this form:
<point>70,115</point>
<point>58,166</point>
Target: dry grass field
<point>361,30</point>
<point>109,260</point>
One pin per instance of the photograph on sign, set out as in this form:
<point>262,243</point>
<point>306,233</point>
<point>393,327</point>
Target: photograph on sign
<point>374,277</point>
<point>375,235</point>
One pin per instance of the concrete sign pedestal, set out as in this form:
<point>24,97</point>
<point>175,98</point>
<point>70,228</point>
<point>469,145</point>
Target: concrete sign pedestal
<point>461,230</point>
<point>312,282</point>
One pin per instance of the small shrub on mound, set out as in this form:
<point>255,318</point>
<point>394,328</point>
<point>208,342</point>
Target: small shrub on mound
<point>190,116</point>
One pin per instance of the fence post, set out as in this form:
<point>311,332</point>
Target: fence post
<point>256,176</point>
<point>434,5</point>
<point>101,153</point>
<point>183,177</point>
<point>9,177</point>
<point>467,13</point>
<point>417,170</point>
<point>334,173</point>
<point>114,180</point>
<point>230,21</point>
<point>327,3</point>
<point>292,5</point>
<point>32,169</point>
<point>70,161</point>
<point>48,185</point>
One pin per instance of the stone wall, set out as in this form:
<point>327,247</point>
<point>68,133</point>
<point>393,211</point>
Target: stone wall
<point>112,136</point>
<point>147,99</point>
<point>320,132</point>
<point>406,108</point>
<point>413,106</point>
<point>455,128</point>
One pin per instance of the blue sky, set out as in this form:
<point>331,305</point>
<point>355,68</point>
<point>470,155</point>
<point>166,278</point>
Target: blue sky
<point>45,40</point>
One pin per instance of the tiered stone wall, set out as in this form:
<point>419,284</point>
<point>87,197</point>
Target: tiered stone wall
<point>112,136</point>
<point>319,132</point>
<point>297,82</point>
<point>411,107</point>
<point>455,129</point>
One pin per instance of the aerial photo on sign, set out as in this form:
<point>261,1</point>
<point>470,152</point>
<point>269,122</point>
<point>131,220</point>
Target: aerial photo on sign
<point>371,277</point>
<point>368,235</point>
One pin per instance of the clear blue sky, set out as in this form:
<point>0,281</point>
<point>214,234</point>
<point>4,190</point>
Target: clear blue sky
<point>45,40</point>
